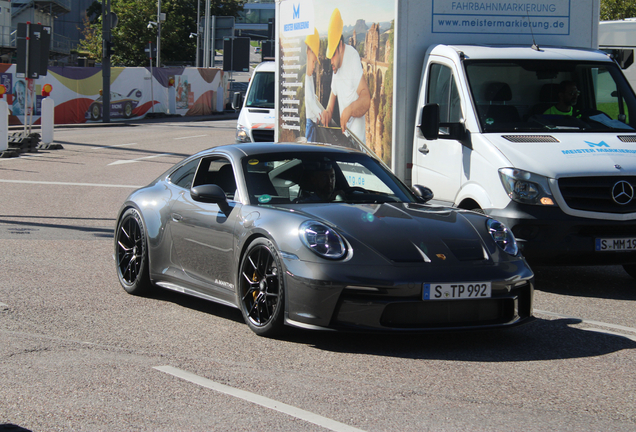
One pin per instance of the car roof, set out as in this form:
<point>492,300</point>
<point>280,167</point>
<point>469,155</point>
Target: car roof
<point>250,149</point>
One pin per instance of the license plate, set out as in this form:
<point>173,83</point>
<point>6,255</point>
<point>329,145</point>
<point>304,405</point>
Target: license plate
<point>455,291</point>
<point>615,244</point>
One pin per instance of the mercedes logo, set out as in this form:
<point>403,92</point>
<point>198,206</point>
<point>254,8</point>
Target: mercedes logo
<point>622,192</point>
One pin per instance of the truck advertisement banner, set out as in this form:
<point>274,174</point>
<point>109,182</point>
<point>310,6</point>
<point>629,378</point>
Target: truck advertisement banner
<point>336,68</point>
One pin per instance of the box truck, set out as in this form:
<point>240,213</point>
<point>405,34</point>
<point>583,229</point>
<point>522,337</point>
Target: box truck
<point>502,107</point>
<point>619,39</point>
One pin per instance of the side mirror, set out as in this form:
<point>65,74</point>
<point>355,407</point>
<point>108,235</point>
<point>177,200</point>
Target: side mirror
<point>237,101</point>
<point>423,193</point>
<point>429,121</point>
<point>209,193</point>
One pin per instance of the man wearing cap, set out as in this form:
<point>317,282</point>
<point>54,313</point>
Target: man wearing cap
<point>312,110</point>
<point>348,83</point>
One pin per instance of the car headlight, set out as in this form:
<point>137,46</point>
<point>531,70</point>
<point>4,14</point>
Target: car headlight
<point>324,241</point>
<point>242,134</point>
<point>502,236</point>
<point>525,187</point>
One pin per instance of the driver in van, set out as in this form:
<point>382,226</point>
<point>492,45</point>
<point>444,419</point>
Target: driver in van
<point>568,96</point>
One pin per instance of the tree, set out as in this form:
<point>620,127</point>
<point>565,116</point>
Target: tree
<point>617,9</point>
<point>131,36</point>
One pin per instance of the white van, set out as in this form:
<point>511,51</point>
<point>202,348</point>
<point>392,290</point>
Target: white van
<point>256,120</point>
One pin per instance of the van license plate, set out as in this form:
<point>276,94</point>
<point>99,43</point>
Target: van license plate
<point>453,291</point>
<point>616,244</point>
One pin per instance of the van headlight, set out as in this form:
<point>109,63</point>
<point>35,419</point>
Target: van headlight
<point>322,240</point>
<point>502,236</point>
<point>242,134</point>
<point>525,187</point>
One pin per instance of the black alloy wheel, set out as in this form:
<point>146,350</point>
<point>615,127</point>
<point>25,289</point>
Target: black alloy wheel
<point>131,253</point>
<point>261,288</point>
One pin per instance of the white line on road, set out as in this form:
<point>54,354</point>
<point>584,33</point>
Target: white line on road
<point>260,400</point>
<point>592,322</point>
<point>114,145</point>
<point>69,184</point>
<point>194,136</point>
<point>125,161</point>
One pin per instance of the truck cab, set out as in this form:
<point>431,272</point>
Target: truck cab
<point>489,139</point>
<point>256,120</point>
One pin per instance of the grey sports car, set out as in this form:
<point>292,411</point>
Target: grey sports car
<point>318,237</point>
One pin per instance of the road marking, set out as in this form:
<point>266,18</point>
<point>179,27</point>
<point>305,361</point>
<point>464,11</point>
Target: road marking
<point>592,322</point>
<point>260,400</point>
<point>194,136</point>
<point>69,184</point>
<point>125,161</point>
<point>115,145</point>
<point>4,306</point>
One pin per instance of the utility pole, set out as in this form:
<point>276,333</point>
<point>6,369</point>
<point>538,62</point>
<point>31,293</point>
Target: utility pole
<point>106,44</point>
<point>158,33</point>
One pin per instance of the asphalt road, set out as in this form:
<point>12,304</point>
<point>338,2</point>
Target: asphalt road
<point>77,353</point>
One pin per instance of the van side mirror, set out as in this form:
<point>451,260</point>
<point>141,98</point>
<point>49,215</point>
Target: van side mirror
<point>430,126</point>
<point>429,121</point>
<point>237,101</point>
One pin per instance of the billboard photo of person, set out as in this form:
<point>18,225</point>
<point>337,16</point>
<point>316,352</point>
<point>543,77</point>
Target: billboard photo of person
<point>312,109</point>
<point>348,83</point>
<point>19,98</point>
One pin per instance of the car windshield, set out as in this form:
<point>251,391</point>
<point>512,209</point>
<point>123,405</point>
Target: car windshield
<point>261,92</point>
<point>569,96</point>
<point>288,178</point>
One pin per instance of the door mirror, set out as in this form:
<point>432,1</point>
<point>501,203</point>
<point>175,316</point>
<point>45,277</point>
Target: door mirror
<point>237,101</point>
<point>429,121</point>
<point>208,193</point>
<point>423,193</point>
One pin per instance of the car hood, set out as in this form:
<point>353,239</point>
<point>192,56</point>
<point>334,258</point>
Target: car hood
<point>406,233</point>
<point>573,154</point>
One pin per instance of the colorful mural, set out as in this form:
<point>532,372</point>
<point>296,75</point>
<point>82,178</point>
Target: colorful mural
<point>134,93</point>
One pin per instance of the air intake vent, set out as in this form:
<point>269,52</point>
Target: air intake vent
<point>530,138</point>
<point>627,138</point>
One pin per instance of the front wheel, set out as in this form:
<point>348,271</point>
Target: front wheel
<point>131,253</point>
<point>261,288</point>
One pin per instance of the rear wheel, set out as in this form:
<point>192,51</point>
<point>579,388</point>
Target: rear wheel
<point>261,288</point>
<point>131,253</point>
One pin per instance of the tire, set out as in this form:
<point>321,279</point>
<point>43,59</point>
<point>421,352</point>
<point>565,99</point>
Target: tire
<point>128,110</point>
<point>131,253</point>
<point>96,113</point>
<point>630,269</point>
<point>261,288</point>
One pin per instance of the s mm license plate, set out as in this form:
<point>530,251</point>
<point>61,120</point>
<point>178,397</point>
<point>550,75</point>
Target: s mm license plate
<point>455,291</point>
<point>615,244</point>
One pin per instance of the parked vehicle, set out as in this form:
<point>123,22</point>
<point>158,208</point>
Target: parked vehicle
<point>256,119</point>
<point>467,98</point>
<point>619,39</point>
<point>285,233</point>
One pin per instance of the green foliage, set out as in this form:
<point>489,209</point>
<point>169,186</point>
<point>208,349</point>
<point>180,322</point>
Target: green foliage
<point>617,9</point>
<point>131,36</point>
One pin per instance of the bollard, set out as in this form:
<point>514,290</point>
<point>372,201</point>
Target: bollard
<point>48,115</point>
<point>4,120</point>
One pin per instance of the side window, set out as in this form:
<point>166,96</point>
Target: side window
<point>184,175</point>
<point>442,90</point>
<point>217,171</point>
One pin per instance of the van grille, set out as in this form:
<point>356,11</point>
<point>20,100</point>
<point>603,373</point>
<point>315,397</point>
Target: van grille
<point>595,194</point>
<point>263,135</point>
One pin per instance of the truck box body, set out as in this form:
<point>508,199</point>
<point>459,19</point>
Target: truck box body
<point>488,76</point>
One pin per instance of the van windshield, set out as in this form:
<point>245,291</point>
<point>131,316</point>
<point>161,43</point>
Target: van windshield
<point>569,96</point>
<point>261,92</point>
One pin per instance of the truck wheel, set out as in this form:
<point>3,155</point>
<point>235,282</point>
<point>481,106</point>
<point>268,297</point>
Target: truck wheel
<point>630,269</point>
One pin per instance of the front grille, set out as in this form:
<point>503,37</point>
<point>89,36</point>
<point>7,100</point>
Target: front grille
<point>595,194</point>
<point>263,135</point>
<point>530,138</point>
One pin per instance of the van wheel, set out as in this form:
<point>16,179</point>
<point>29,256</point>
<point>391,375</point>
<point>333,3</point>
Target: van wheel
<point>630,269</point>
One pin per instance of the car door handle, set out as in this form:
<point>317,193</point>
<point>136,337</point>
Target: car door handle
<point>424,149</point>
<point>176,217</point>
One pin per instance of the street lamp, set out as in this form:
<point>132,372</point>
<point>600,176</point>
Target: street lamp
<point>152,24</point>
